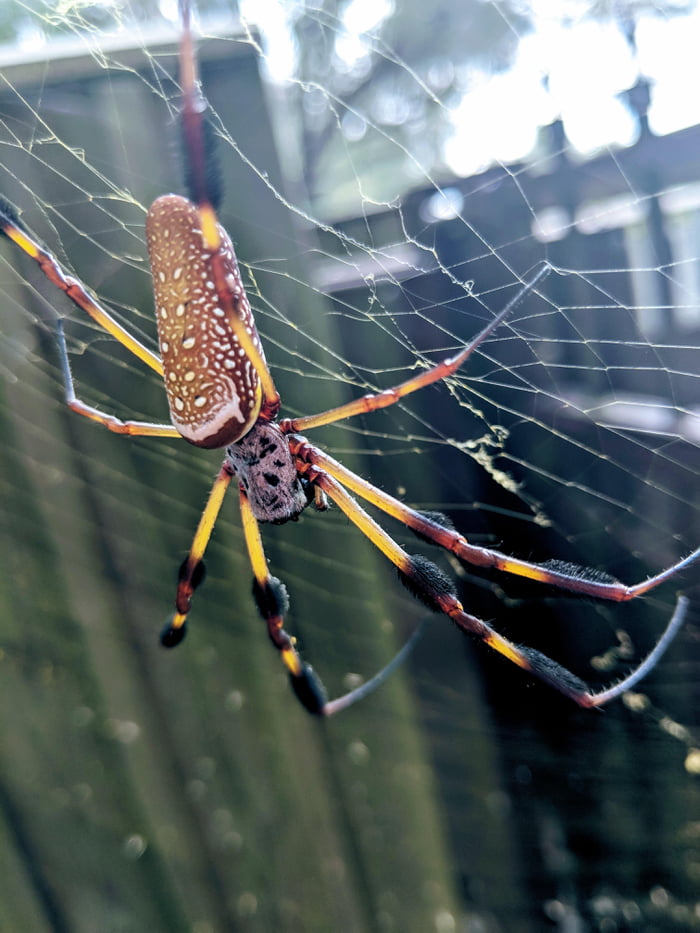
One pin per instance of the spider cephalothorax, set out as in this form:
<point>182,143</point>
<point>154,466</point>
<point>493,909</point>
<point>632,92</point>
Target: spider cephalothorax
<point>263,465</point>
<point>221,394</point>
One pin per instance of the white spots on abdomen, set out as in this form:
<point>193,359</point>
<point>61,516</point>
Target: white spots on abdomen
<point>213,390</point>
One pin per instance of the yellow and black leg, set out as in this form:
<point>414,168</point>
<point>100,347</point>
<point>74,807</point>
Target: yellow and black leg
<point>272,601</point>
<point>436,529</point>
<point>15,231</point>
<point>436,590</point>
<point>192,570</point>
<point>134,428</point>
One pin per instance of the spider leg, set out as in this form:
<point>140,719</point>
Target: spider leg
<point>192,570</point>
<point>14,230</point>
<point>143,428</point>
<point>570,577</point>
<point>272,601</point>
<point>435,590</point>
<point>271,598</point>
<point>374,401</point>
<point>203,184</point>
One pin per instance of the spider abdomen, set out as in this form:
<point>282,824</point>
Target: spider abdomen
<point>213,390</point>
<point>264,466</point>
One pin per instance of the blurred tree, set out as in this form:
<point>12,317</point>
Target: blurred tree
<point>37,18</point>
<point>396,75</point>
<point>378,85</point>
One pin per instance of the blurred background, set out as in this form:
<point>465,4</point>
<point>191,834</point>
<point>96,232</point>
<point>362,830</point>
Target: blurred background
<point>393,173</point>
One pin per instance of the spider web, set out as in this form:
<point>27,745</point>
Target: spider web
<point>572,433</point>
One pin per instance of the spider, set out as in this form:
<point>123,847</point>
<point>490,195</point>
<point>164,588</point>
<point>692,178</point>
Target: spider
<point>221,394</point>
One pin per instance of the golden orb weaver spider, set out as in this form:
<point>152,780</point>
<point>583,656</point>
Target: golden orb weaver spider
<point>221,395</point>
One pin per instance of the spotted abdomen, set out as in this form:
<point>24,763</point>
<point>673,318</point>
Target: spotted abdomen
<point>213,391</point>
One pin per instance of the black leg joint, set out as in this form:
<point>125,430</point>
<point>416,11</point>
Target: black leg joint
<point>271,598</point>
<point>309,690</point>
<point>170,636</point>
<point>197,576</point>
<point>424,580</point>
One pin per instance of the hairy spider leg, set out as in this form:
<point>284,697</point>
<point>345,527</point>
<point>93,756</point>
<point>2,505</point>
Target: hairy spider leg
<point>571,578</point>
<point>435,589</point>
<point>271,598</point>
<point>377,400</point>
<point>15,231</point>
<point>192,570</point>
<point>135,428</point>
<point>566,576</point>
